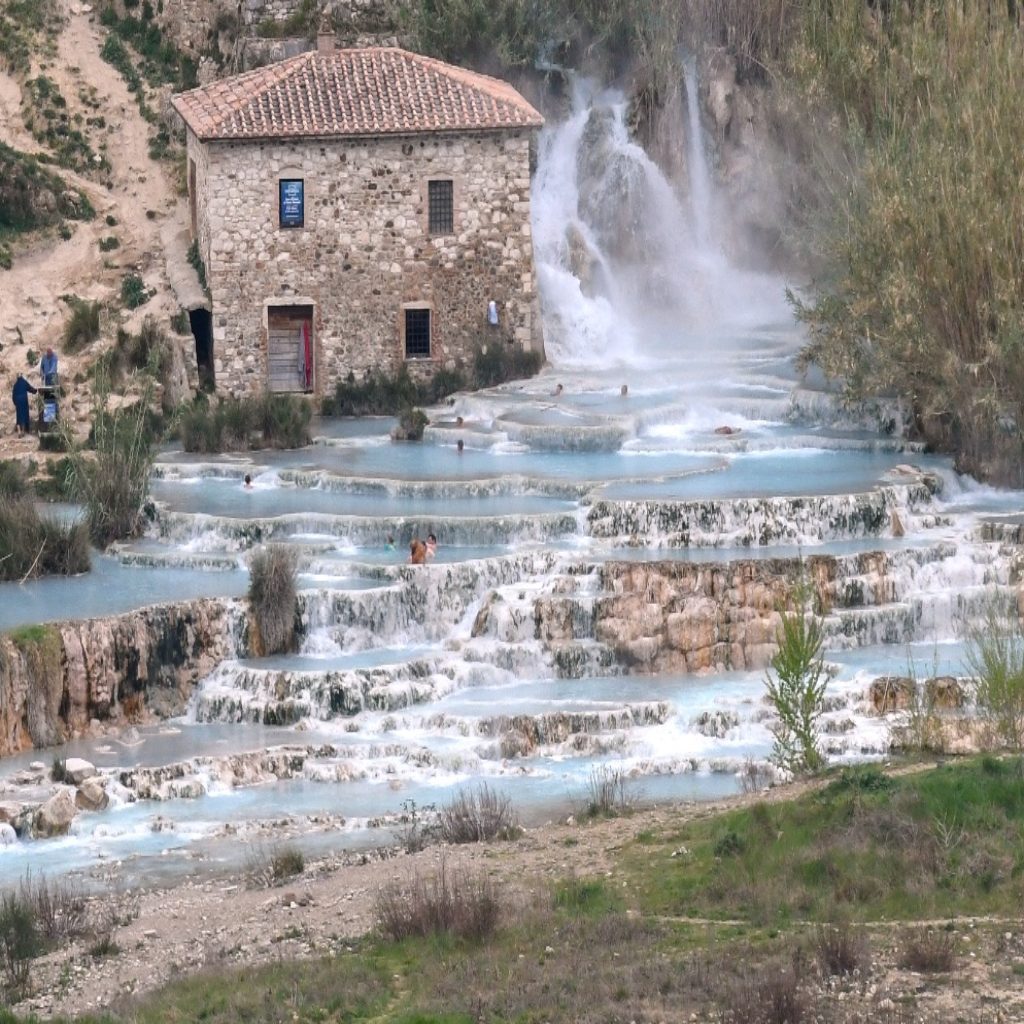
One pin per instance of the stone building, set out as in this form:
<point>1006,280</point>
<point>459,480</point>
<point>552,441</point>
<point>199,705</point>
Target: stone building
<point>359,209</point>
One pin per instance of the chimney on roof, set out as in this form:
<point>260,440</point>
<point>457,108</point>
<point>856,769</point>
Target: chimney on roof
<point>325,35</point>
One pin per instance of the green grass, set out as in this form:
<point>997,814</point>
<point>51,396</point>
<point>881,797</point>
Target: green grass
<point>941,843</point>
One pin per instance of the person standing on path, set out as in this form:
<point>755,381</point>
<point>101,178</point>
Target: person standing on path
<point>48,368</point>
<point>19,395</point>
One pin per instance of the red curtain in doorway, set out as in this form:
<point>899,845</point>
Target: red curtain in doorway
<point>307,348</point>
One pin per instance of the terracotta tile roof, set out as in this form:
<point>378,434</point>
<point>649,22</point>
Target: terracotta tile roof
<point>372,91</point>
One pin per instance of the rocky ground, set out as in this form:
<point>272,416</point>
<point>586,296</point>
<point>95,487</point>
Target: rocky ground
<point>230,920</point>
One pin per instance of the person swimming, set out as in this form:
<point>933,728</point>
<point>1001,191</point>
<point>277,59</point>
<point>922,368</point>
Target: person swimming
<point>389,545</point>
<point>558,390</point>
<point>460,445</point>
<point>417,551</point>
<point>247,482</point>
<point>431,545</point>
<point>624,390</point>
<point>459,421</point>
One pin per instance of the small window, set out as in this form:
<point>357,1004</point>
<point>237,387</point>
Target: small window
<point>441,206</point>
<point>417,334</point>
<point>291,202</point>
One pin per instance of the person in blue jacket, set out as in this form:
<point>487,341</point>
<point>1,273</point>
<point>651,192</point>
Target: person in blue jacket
<point>19,394</point>
<point>48,368</point>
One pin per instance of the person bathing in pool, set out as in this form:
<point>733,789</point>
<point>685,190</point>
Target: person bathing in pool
<point>417,551</point>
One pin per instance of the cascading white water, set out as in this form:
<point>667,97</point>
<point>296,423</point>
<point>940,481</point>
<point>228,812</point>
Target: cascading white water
<point>627,273</point>
<point>701,196</point>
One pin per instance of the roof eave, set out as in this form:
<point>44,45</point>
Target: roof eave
<point>339,136</point>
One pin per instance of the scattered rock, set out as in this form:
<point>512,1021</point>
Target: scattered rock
<point>77,770</point>
<point>91,796</point>
<point>945,692</point>
<point>55,816</point>
<point>8,837</point>
<point>892,693</point>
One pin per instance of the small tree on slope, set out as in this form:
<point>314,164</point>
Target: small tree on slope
<point>796,683</point>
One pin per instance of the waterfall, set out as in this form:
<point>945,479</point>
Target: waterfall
<point>700,173</point>
<point>628,273</point>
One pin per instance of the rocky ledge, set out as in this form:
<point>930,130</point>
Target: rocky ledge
<point>58,679</point>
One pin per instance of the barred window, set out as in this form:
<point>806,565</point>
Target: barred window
<point>417,334</point>
<point>441,207</point>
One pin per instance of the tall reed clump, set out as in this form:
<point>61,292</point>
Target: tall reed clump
<point>272,598</point>
<point>924,295</point>
<point>241,424</point>
<point>995,661</point>
<point>112,477</point>
<point>31,544</point>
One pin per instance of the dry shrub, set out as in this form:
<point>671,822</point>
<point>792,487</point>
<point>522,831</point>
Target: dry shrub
<point>755,776</point>
<point>841,948</point>
<point>272,598</point>
<point>269,867</point>
<point>478,815</point>
<point>459,904</point>
<point>59,906</point>
<point>608,793</point>
<point>927,950</point>
<point>767,995</point>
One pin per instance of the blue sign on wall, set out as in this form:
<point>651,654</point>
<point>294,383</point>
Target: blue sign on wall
<point>292,202</point>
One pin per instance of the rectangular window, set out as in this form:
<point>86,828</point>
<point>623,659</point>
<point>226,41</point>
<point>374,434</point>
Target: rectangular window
<point>417,334</point>
<point>441,207</point>
<point>291,202</point>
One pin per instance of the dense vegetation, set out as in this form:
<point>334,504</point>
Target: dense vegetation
<point>32,544</point>
<point>241,424</point>
<point>382,394</point>
<point>922,293</point>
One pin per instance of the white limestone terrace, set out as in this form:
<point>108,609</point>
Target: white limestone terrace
<point>605,593</point>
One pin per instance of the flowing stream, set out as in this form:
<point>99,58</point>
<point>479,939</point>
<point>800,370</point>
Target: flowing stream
<point>498,661</point>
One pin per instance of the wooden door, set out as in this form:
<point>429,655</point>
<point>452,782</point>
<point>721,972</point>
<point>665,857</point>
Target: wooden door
<point>290,362</point>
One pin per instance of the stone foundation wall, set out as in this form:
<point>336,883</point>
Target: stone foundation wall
<point>365,251</point>
<point>56,679</point>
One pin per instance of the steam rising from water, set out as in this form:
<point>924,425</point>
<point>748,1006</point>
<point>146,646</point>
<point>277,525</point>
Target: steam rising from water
<point>628,274</point>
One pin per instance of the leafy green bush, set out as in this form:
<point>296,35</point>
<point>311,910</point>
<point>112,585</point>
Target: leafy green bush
<point>83,326</point>
<point>273,575</point>
<point>134,292</point>
<point>109,243</point>
<point>411,423</point>
<point>795,685</point>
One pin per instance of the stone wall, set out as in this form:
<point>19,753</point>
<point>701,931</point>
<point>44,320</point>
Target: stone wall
<point>365,251</point>
<point>55,680</point>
